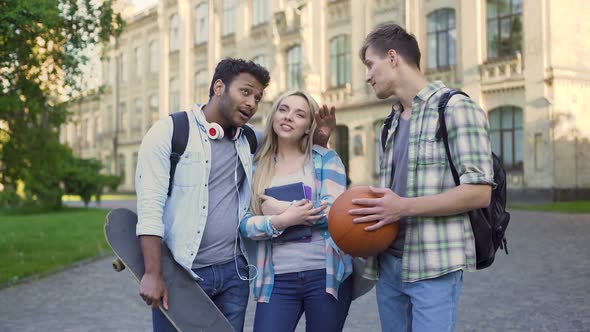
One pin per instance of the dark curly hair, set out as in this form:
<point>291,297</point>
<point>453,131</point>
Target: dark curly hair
<point>228,68</point>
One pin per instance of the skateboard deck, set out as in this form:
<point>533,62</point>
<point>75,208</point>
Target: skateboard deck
<point>189,308</point>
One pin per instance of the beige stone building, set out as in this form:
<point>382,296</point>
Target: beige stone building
<point>526,62</point>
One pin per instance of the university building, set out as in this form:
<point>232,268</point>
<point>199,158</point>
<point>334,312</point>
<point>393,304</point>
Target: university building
<point>526,62</point>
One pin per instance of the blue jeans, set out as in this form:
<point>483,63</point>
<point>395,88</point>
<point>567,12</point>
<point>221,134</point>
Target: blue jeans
<point>298,292</point>
<point>425,305</point>
<point>223,285</point>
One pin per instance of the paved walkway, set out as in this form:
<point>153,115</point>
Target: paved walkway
<point>543,285</point>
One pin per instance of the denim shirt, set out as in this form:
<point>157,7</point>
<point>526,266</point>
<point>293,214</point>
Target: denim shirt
<point>181,218</point>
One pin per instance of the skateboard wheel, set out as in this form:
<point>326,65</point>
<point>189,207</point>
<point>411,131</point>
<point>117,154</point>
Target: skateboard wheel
<point>118,265</point>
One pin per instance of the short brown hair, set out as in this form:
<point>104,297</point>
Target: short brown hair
<point>392,36</point>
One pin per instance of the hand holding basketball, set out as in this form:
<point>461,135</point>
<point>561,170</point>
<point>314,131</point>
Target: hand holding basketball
<point>352,237</point>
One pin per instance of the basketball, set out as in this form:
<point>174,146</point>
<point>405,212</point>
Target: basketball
<point>352,238</point>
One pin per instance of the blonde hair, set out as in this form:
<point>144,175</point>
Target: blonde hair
<point>266,156</point>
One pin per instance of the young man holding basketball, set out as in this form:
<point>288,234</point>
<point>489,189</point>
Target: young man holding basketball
<point>421,274</point>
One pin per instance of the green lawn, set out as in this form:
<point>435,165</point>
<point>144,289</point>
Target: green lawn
<point>45,242</point>
<point>108,197</point>
<point>562,207</point>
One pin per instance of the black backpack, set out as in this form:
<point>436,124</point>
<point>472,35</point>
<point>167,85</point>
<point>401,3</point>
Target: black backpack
<point>179,141</point>
<point>489,224</point>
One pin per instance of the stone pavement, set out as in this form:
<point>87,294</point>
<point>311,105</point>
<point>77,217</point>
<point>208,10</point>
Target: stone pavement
<point>543,285</point>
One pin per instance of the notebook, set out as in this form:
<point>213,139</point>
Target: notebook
<point>291,192</point>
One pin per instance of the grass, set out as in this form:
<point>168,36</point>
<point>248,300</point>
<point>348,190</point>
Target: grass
<point>562,207</point>
<point>109,197</point>
<point>47,242</point>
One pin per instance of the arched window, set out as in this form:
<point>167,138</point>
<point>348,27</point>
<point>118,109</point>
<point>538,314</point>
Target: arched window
<point>442,38</point>
<point>340,61</point>
<point>504,28</point>
<point>174,33</point>
<point>201,23</point>
<point>294,68</point>
<point>506,134</point>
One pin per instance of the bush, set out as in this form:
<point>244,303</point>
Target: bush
<point>10,199</point>
<point>83,178</point>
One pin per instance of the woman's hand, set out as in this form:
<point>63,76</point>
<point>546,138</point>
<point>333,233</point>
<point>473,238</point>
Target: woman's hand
<point>271,206</point>
<point>299,213</point>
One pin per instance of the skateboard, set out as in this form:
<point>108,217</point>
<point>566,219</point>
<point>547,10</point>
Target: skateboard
<point>189,308</point>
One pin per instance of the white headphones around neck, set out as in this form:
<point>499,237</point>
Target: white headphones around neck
<point>214,130</point>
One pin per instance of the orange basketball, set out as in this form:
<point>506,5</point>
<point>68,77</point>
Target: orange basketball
<point>352,238</point>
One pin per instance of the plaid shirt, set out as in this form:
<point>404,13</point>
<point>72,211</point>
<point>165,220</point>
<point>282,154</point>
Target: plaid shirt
<point>435,246</point>
<point>330,182</point>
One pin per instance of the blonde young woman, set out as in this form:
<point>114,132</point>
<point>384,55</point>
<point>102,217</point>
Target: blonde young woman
<point>311,276</point>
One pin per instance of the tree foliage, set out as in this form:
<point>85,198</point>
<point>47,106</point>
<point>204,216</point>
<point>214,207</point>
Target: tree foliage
<point>42,50</point>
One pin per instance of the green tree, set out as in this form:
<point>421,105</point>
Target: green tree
<point>42,50</point>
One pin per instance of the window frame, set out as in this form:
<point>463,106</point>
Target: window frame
<point>201,20</point>
<point>229,17</point>
<point>444,27</point>
<point>259,12</point>
<point>511,111</point>
<point>495,20</point>
<point>340,58</point>
<point>295,81</point>
<point>174,32</point>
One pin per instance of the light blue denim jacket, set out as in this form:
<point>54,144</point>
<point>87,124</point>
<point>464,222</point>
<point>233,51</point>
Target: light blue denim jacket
<point>180,219</point>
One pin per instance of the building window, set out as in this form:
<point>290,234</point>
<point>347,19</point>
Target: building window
<point>339,142</point>
<point>174,33</point>
<point>153,57</point>
<point>108,164</point>
<point>340,61</point>
<point>154,112</point>
<point>123,117</point>
<point>442,38</point>
<point>201,23</point>
<point>122,168</point>
<point>229,17</point>
<point>124,67</point>
<point>87,132</point>
<point>98,124</point>
<point>201,86</point>
<point>138,62</point>
<point>294,68</point>
<point>259,12</point>
<point>137,117</point>
<point>261,60</point>
<point>109,124</point>
<point>504,28</point>
<point>506,135</point>
<point>174,96</point>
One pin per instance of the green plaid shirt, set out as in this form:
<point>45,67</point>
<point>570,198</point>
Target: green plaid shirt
<point>435,246</point>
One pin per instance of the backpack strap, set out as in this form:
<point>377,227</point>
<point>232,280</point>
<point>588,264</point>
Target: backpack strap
<point>251,137</point>
<point>178,143</point>
<point>442,129</point>
<point>386,127</point>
